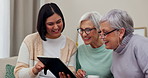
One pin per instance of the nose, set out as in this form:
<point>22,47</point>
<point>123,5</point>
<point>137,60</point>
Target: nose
<point>56,26</point>
<point>102,36</point>
<point>83,33</point>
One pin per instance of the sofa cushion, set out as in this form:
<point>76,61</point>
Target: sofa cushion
<point>4,62</point>
<point>9,71</point>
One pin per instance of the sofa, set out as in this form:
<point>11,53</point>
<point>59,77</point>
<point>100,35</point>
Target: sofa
<point>4,62</point>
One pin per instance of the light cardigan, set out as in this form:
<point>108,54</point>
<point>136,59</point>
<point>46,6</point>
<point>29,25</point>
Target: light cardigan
<point>35,48</point>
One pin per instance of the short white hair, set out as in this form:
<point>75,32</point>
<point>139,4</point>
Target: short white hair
<point>93,16</point>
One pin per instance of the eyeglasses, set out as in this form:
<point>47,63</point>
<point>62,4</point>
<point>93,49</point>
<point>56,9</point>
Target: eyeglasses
<point>103,35</point>
<point>87,30</point>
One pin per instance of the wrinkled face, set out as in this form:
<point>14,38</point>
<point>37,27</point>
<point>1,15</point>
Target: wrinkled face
<point>111,40</point>
<point>54,26</point>
<point>92,36</point>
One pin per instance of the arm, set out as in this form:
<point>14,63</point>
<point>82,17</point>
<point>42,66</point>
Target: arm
<point>72,63</point>
<point>80,73</point>
<point>142,56</point>
<point>78,66</point>
<point>22,69</point>
<point>71,55</point>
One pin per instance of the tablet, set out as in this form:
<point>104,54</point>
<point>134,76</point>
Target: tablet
<point>55,65</point>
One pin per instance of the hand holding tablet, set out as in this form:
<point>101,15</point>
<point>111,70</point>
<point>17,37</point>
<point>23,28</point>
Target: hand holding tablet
<point>55,65</point>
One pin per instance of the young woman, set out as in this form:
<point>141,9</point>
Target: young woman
<point>48,41</point>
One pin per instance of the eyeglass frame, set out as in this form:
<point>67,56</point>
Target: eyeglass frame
<point>105,34</point>
<point>86,30</point>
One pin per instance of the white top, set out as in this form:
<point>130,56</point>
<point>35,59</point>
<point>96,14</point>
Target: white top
<point>52,48</point>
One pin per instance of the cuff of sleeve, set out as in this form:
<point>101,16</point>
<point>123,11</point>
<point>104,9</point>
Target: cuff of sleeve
<point>31,73</point>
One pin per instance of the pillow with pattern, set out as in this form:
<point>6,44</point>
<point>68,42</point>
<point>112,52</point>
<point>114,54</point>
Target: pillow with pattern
<point>9,71</point>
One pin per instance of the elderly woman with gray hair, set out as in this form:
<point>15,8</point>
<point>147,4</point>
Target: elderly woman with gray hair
<point>130,50</point>
<point>92,56</point>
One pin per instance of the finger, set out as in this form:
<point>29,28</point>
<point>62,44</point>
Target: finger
<point>84,73</point>
<point>77,76</point>
<point>63,74</point>
<point>60,74</point>
<point>80,73</point>
<point>68,76</point>
<point>41,64</point>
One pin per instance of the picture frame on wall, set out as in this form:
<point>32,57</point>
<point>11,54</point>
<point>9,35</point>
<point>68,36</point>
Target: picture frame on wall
<point>141,31</point>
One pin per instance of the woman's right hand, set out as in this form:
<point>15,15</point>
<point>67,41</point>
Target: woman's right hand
<point>38,67</point>
<point>81,73</point>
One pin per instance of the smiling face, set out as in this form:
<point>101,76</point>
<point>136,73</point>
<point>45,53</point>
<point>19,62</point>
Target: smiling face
<point>93,36</point>
<point>54,26</point>
<point>111,40</point>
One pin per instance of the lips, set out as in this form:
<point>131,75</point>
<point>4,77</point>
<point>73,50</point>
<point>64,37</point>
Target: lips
<point>86,39</point>
<point>105,42</point>
<point>55,31</point>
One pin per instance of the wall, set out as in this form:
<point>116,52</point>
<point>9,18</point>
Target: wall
<point>73,10</point>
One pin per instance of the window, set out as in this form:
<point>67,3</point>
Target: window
<point>4,28</point>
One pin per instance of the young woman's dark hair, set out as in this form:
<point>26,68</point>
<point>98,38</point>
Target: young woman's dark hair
<point>46,11</point>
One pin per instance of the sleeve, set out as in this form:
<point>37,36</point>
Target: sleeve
<point>22,69</point>
<point>72,61</point>
<point>78,66</point>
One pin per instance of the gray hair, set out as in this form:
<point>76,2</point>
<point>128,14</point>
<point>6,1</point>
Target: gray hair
<point>92,16</point>
<point>119,19</point>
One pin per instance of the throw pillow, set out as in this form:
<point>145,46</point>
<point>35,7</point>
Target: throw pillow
<point>9,71</point>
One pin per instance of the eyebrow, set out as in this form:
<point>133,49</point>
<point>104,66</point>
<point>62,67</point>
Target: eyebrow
<point>56,21</point>
<point>59,19</point>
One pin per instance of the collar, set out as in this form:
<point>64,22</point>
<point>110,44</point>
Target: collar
<point>124,42</point>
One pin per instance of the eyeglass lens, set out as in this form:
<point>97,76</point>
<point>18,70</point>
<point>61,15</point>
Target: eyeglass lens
<point>87,30</point>
<point>107,32</point>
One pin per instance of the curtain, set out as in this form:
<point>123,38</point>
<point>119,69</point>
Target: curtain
<point>22,22</point>
<point>4,28</point>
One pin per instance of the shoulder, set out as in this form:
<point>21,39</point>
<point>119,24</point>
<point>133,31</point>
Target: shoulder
<point>32,37</point>
<point>138,40</point>
<point>70,41</point>
<point>105,50</point>
<point>82,46</point>
<point>139,44</point>
<point>84,49</point>
<point>70,44</point>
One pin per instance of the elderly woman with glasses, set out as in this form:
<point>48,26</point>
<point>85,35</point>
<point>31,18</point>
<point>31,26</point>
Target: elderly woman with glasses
<point>92,57</point>
<point>130,50</point>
